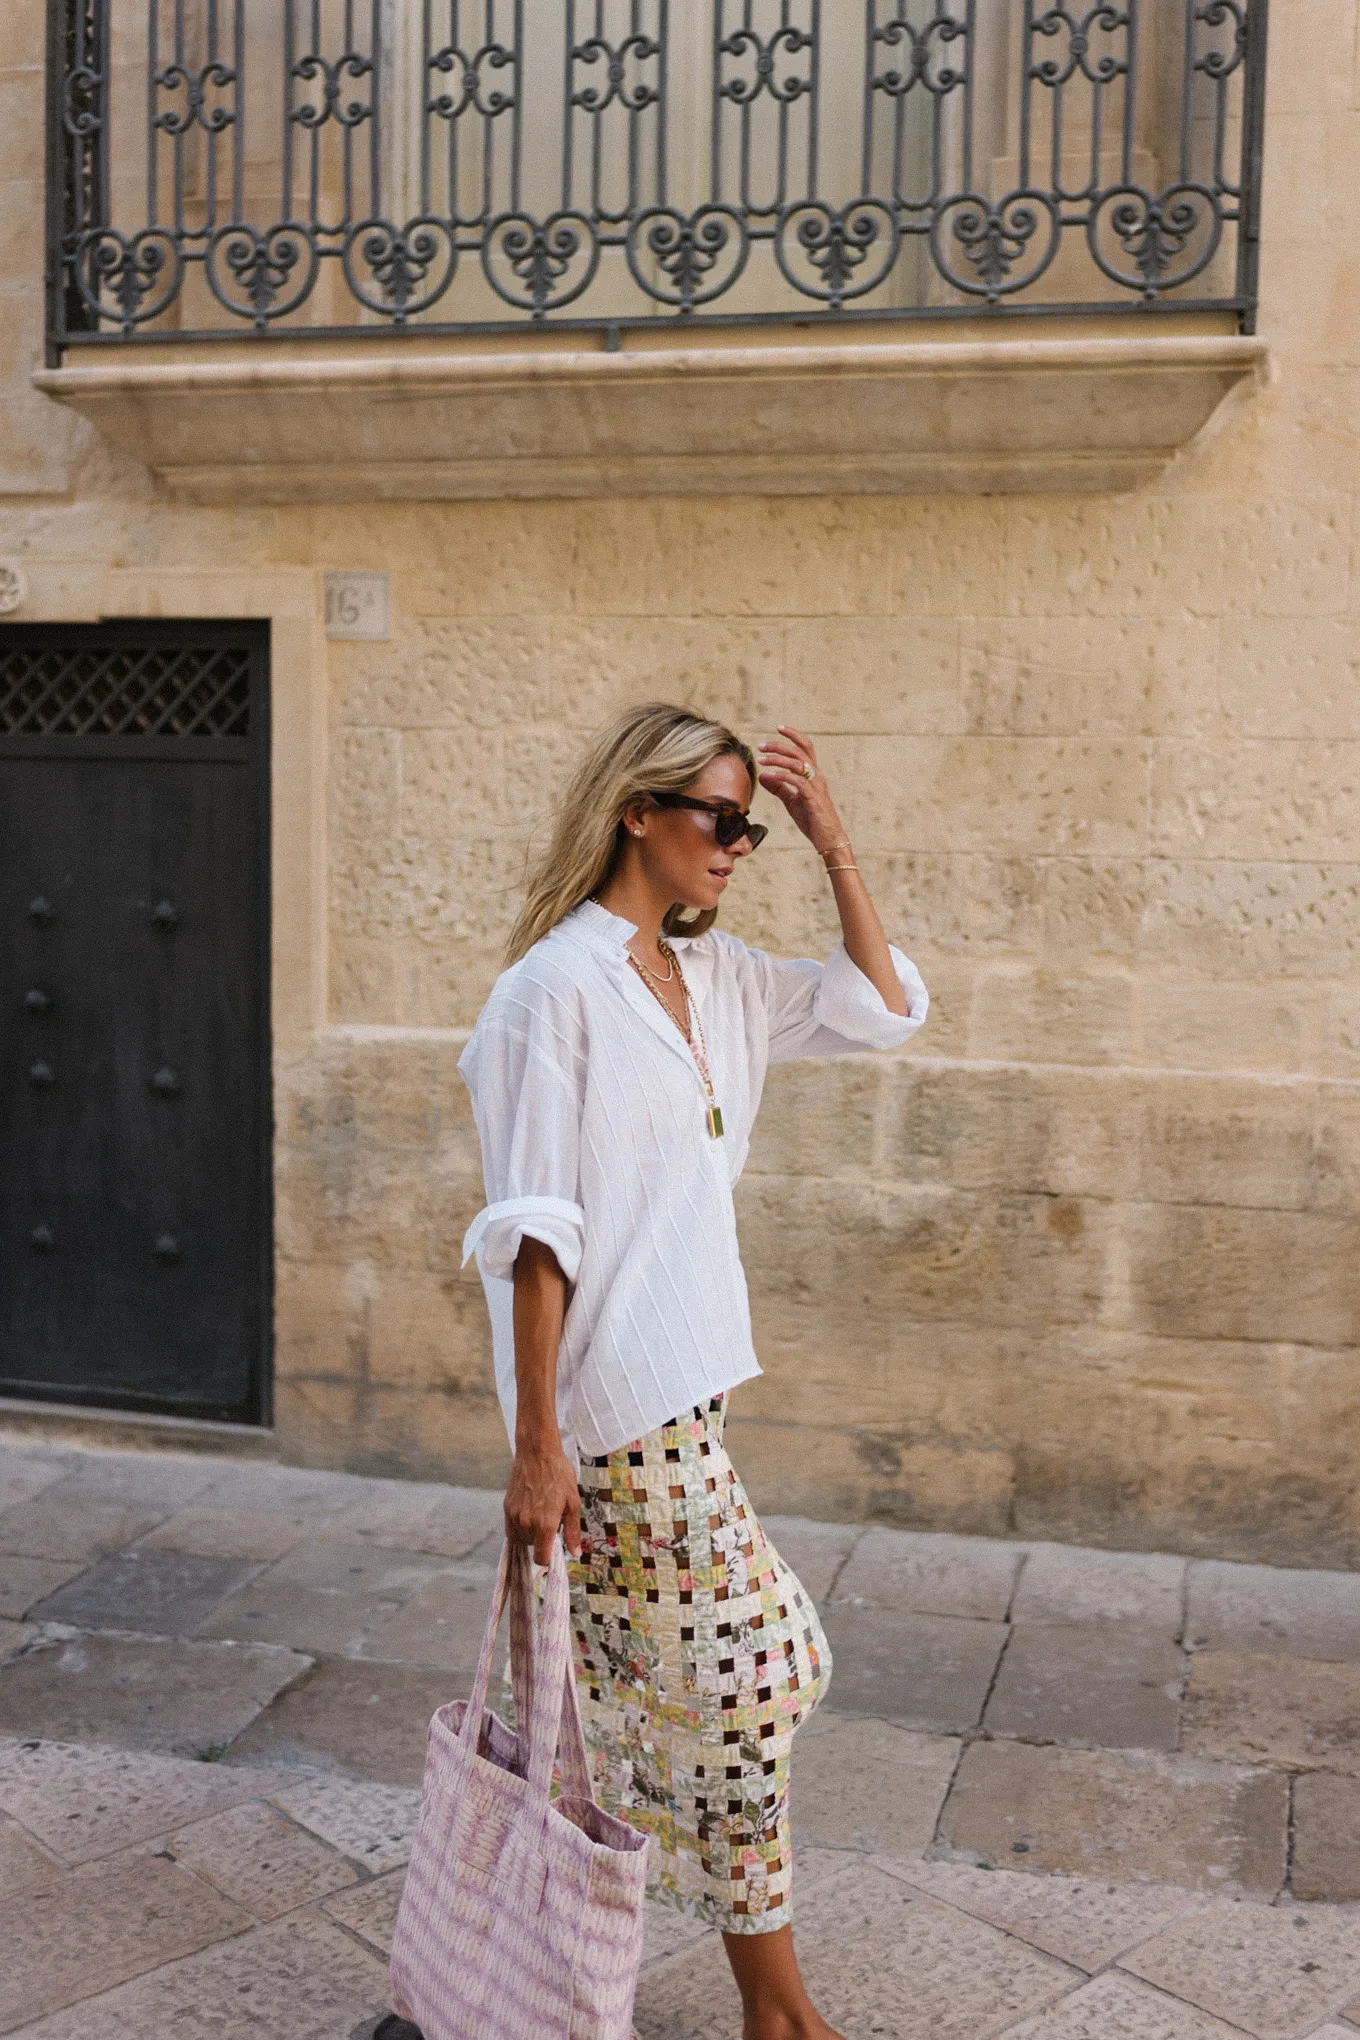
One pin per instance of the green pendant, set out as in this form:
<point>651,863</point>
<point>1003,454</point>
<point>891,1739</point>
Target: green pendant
<point>715,1125</point>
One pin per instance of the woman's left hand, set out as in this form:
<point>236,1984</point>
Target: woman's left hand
<point>789,770</point>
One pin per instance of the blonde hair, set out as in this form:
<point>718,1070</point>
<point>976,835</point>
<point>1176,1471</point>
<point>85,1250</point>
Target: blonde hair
<point>653,748</point>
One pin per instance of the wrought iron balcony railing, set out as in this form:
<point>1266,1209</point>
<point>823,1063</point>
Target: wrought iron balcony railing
<point>220,168</point>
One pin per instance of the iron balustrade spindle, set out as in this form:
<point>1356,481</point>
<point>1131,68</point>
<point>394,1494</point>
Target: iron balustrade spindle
<point>333,167</point>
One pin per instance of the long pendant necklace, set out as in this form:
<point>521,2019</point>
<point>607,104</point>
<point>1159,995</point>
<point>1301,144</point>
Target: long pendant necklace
<point>693,1034</point>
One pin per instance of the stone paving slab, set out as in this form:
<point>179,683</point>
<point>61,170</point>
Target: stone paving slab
<point>1273,1971</point>
<point>261,1861</point>
<point>1062,1583</point>
<point>1261,1609</point>
<point>260,1534</point>
<point>920,1671</point>
<point>878,1959</point>
<point>166,1479</point>
<point>1118,1814</point>
<point>920,1572</point>
<point>14,1637</point>
<point>303,1978</point>
<point>24,1475</point>
<point>1326,1863</point>
<point>863,1784</point>
<point>369,1910</point>
<point>72,1528</point>
<point>421,1516</point>
<point>247,1485</point>
<point>182,1698</point>
<point>159,1593</point>
<point>26,1581</point>
<point>326,1595</point>
<point>370,1824</point>
<point>129,1915</point>
<point>369,1720</point>
<point>83,1803</point>
<point>1291,1712</point>
<point>816,1551</point>
<point>1102,1685</point>
<point>1085,1921</point>
<point>442,1624</point>
<point>1117,2008</point>
<point>22,1861</point>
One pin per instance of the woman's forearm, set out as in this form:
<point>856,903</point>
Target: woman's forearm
<point>789,769</point>
<point>542,1496</point>
<point>540,1309</point>
<point>861,930</point>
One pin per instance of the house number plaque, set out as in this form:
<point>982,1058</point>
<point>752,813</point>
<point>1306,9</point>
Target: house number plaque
<point>358,606</point>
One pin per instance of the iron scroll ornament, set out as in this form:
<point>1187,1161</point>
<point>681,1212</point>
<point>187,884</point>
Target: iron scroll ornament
<point>745,46</point>
<point>634,96</point>
<point>196,110</point>
<point>1154,231</point>
<point>141,273</point>
<point>1103,19</point>
<point>995,237</point>
<point>835,242</point>
<point>921,60</point>
<point>689,251</point>
<point>554,259</point>
<point>465,89</point>
<point>262,266</point>
<point>401,260</point>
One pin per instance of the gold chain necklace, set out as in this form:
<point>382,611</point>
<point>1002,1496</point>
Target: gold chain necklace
<point>655,975</point>
<point>693,1035</point>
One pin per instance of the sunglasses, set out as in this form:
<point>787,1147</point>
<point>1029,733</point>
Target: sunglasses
<point>729,823</point>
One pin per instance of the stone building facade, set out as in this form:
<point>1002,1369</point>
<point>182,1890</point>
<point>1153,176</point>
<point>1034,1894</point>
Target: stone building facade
<point>1083,1262</point>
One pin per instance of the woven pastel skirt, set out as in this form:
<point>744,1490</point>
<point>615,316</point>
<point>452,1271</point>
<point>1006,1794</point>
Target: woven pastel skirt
<point>697,1655</point>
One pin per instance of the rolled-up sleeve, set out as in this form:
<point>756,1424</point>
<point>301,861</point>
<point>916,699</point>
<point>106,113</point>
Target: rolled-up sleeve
<point>831,1008</point>
<point>522,1067</point>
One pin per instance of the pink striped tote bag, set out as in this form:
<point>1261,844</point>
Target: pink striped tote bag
<point>522,1916</point>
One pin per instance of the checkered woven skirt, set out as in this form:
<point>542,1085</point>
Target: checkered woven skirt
<point>697,1655</point>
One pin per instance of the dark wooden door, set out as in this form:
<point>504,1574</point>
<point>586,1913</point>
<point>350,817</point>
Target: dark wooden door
<point>134,1037</point>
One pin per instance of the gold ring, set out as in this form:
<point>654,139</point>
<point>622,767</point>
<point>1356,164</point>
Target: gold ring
<point>807,768</point>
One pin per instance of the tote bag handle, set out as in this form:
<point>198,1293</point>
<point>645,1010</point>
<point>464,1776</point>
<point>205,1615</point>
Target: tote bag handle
<point>546,1704</point>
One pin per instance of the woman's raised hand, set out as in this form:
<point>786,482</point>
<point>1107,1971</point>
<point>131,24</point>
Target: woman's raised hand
<point>789,770</point>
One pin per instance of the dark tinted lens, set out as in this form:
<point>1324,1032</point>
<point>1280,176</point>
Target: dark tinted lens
<point>729,828</point>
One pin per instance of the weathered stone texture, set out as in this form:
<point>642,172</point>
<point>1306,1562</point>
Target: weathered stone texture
<point>1082,1263</point>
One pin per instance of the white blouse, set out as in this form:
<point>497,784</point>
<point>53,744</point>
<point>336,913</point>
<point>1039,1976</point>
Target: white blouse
<point>592,1117</point>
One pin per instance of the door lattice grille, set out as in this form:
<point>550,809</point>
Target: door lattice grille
<point>125,691</point>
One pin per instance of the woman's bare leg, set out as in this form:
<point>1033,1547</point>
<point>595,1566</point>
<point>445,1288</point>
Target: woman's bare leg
<point>775,2003</point>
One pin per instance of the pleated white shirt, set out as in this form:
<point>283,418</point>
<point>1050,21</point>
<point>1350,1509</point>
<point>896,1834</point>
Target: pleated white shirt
<point>592,1117</point>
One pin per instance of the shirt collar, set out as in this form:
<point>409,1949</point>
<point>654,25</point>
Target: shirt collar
<point>608,934</point>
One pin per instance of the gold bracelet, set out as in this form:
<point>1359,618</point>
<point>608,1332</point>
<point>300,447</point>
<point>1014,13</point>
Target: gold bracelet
<point>843,845</point>
<point>842,867</point>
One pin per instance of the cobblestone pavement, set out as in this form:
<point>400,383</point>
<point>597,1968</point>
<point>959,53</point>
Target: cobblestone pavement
<point>1054,1794</point>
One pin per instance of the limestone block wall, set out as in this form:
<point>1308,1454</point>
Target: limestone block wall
<point>1084,1261</point>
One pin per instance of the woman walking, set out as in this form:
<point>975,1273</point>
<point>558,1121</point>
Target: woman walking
<point>615,1072</point>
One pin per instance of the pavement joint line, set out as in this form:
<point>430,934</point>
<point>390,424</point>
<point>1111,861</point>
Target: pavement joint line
<point>1290,1836</point>
<point>1009,1615</point>
<point>852,1548</point>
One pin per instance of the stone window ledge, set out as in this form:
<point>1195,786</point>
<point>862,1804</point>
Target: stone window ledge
<point>284,423</point>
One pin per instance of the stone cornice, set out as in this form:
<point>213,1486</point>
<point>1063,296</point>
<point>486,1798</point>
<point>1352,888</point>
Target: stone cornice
<point>289,424</point>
